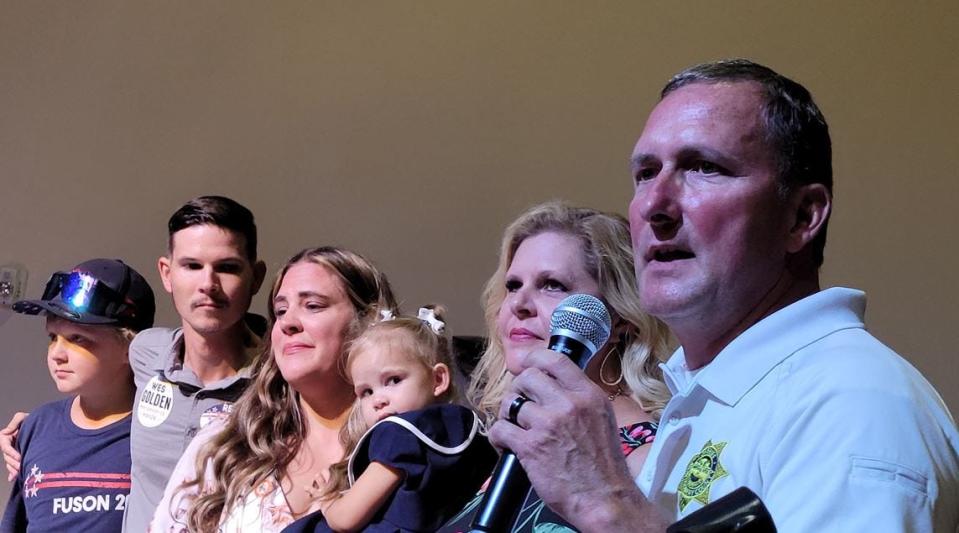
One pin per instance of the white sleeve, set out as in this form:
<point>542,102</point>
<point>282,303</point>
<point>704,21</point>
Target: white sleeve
<point>170,514</point>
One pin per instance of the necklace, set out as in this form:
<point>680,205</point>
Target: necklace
<point>612,396</point>
<point>312,486</point>
<point>313,489</point>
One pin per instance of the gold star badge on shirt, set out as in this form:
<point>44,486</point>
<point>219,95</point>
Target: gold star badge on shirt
<point>703,469</point>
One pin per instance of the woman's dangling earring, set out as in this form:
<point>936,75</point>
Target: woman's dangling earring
<point>602,370</point>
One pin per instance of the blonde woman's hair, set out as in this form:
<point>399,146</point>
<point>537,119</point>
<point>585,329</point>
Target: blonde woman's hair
<point>411,337</point>
<point>608,256</point>
<point>265,429</point>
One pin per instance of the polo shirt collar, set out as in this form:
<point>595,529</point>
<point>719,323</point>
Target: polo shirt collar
<point>171,360</point>
<point>759,349</point>
<point>170,363</point>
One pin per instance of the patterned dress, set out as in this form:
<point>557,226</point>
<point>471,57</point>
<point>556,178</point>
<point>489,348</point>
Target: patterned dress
<point>534,516</point>
<point>264,509</point>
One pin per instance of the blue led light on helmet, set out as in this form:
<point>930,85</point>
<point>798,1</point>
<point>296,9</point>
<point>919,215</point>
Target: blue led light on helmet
<point>78,290</point>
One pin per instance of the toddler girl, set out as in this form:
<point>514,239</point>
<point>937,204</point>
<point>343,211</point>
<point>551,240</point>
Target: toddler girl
<point>416,458</point>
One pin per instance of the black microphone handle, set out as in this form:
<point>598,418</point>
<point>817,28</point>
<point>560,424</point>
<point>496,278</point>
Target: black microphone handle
<point>509,484</point>
<point>504,496</point>
<point>572,348</point>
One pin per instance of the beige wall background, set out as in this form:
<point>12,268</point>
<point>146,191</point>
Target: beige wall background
<point>414,131</point>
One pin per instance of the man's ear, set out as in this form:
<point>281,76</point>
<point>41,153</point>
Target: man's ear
<point>163,265</point>
<point>811,205</point>
<point>259,274</point>
<point>441,379</point>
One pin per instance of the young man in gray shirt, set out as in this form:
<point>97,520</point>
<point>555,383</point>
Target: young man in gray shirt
<point>188,375</point>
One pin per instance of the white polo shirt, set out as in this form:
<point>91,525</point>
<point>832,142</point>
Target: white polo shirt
<point>832,429</point>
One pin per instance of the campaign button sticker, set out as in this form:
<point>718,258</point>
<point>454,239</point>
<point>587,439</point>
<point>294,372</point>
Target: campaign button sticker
<point>219,412</point>
<point>156,402</point>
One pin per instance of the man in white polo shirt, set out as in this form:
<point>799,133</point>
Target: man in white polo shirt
<point>777,385</point>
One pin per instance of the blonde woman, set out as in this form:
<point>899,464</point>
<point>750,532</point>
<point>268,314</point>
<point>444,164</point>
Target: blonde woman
<point>267,463</point>
<point>549,252</point>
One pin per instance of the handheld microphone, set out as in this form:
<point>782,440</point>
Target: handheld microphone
<point>579,326</point>
<point>740,511</point>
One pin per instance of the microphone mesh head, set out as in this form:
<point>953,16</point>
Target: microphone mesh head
<point>585,315</point>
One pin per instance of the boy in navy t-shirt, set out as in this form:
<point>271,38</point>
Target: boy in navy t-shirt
<point>75,466</point>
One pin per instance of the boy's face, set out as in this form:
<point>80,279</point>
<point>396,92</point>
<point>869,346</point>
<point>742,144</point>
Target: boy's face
<point>84,358</point>
<point>210,277</point>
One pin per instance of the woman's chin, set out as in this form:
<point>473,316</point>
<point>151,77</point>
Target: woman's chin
<point>517,353</point>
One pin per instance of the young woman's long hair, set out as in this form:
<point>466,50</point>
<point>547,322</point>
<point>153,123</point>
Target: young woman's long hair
<point>265,429</point>
<point>608,256</point>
